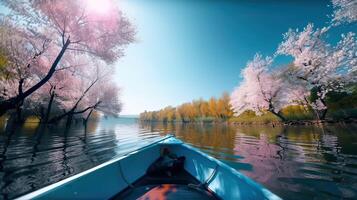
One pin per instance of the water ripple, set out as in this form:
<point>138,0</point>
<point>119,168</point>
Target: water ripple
<point>295,163</point>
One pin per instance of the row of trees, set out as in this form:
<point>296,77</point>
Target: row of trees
<point>197,110</point>
<point>56,58</point>
<point>318,69</point>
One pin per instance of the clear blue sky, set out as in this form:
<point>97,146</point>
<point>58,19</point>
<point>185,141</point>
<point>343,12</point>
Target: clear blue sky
<point>191,49</point>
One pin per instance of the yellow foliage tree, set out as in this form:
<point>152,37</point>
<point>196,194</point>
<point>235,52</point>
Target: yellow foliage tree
<point>197,110</point>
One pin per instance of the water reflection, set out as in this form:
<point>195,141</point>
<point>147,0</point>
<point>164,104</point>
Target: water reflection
<point>294,162</point>
<point>33,156</point>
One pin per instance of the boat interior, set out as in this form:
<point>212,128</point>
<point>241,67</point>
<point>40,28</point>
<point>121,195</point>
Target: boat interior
<point>178,186</point>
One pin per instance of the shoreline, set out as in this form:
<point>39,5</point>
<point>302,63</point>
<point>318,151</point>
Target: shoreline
<point>298,123</point>
<point>270,123</point>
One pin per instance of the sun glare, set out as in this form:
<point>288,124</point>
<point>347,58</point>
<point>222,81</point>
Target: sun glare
<point>98,6</point>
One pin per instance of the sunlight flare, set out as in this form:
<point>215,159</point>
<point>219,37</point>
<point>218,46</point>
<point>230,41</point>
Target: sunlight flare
<point>99,6</point>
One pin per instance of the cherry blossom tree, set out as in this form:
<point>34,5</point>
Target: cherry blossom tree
<point>345,11</point>
<point>94,90</point>
<point>25,58</point>
<point>69,26</point>
<point>318,65</point>
<point>59,91</point>
<point>260,89</point>
<point>298,91</point>
<point>103,98</point>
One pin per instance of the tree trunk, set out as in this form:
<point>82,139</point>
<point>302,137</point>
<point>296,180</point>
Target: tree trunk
<point>272,110</point>
<point>12,102</point>
<point>73,112</point>
<point>89,114</point>
<point>19,113</point>
<point>19,105</point>
<point>69,120</point>
<point>42,114</point>
<point>278,115</point>
<point>323,114</point>
<point>324,111</point>
<point>48,111</point>
<point>58,118</point>
<point>316,114</point>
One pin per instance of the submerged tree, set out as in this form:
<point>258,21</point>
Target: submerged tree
<point>91,92</point>
<point>67,26</point>
<point>62,89</point>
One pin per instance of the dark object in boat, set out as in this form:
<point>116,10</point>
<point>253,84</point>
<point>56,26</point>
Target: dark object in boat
<point>165,187</point>
<point>168,163</point>
<point>165,179</point>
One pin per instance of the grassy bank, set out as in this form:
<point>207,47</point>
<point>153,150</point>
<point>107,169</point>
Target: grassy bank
<point>294,115</point>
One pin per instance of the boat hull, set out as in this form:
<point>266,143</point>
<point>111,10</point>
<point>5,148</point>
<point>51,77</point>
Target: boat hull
<point>112,177</point>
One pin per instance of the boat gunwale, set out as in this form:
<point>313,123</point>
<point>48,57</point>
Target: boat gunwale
<point>239,175</point>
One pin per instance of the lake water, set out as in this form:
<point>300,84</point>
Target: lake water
<point>293,162</point>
